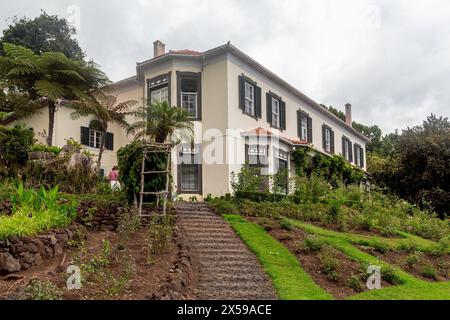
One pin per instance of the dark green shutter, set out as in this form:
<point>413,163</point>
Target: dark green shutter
<point>332,141</point>
<point>269,108</point>
<point>350,151</point>
<point>362,157</point>
<point>344,141</point>
<point>241,93</point>
<point>355,149</point>
<point>258,112</point>
<point>324,145</point>
<point>84,137</point>
<point>109,141</point>
<point>282,115</point>
<point>310,132</point>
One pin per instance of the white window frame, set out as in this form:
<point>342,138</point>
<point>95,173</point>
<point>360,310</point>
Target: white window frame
<point>275,113</point>
<point>183,176</point>
<point>159,93</point>
<point>347,150</point>
<point>328,140</point>
<point>304,127</point>
<point>95,138</point>
<point>358,151</point>
<point>249,98</point>
<point>192,97</point>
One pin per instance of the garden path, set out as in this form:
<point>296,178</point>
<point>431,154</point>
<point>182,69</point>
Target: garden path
<point>227,269</point>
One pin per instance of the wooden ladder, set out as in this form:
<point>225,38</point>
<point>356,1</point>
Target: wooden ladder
<point>155,148</point>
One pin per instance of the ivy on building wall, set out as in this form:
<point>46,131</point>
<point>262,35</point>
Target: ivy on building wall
<point>335,168</point>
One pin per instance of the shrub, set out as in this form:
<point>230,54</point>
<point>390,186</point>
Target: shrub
<point>429,271</point>
<point>313,243</point>
<point>15,143</point>
<point>130,163</point>
<point>259,196</point>
<point>354,283</point>
<point>388,274</point>
<point>380,246</point>
<point>329,265</point>
<point>45,148</point>
<point>129,222</point>
<point>222,206</point>
<point>266,224</point>
<point>42,290</point>
<point>159,234</point>
<point>412,260</point>
<point>35,212</point>
<point>249,180</point>
<point>285,224</point>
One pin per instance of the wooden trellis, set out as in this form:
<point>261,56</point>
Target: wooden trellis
<point>155,148</point>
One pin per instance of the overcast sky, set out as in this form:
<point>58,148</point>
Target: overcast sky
<point>390,59</point>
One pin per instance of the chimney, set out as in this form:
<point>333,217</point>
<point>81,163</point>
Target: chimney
<point>159,48</point>
<point>348,114</point>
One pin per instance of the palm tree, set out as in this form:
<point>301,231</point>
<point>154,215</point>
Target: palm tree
<point>159,122</point>
<point>104,109</point>
<point>49,75</point>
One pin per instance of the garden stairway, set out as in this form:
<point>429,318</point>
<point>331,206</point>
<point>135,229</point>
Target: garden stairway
<point>227,269</point>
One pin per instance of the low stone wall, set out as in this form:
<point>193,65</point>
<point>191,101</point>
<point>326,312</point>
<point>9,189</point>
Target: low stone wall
<point>23,253</point>
<point>96,217</point>
<point>181,278</point>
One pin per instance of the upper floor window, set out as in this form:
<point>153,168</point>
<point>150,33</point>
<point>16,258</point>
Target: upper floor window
<point>347,152</point>
<point>275,113</point>
<point>92,137</point>
<point>304,123</point>
<point>189,93</point>
<point>359,156</point>
<point>160,95</point>
<point>158,88</point>
<point>249,97</point>
<point>328,139</point>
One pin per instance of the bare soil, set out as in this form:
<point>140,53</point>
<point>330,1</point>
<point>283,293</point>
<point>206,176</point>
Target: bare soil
<point>146,274</point>
<point>441,264</point>
<point>313,265</point>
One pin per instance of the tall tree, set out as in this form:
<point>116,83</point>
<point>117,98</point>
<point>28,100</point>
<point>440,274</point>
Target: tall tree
<point>50,76</point>
<point>45,33</point>
<point>104,109</point>
<point>159,121</point>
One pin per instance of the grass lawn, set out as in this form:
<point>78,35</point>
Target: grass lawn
<point>289,279</point>
<point>411,289</point>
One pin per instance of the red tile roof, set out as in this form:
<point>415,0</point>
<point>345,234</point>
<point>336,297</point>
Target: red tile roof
<point>264,132</point>
<point>186,52</point>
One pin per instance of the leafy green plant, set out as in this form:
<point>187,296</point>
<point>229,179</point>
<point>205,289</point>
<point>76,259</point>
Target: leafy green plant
<point>355,283</point>
<point>158,236</point>
<point>380,246</point>
<point>285,224</point>
<point>266,224</point>
<point>329,265</point>
<point>429,271</point>
<point>388,274</point>
<point>412,260</point>
<point>313,243</point>
<point>42,290</point>
<point>45,148</point>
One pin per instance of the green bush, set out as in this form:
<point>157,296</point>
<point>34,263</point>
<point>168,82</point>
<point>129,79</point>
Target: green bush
<point>388,274</point>
<point>313,243</point>
<point>429,271</point>
<point>380,246</point>
<point>15,143</point>
<point>259,196</point>
<point>285,224</point>
<point>222,206</point>
<point>36,212</point>
<point>130,163</point>
<point>329,265</point>
<point>412,260</point>
<point>266,224</point>
<point>45,148</point>
<point>355,283</point>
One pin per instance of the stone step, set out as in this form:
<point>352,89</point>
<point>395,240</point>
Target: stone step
<point>227,277</point>
<point>232,295</point>
<point>218,251</point>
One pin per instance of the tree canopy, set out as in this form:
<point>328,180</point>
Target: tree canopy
<point>45,33</point>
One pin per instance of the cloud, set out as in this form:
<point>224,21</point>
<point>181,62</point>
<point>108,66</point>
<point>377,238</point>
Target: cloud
<point>389,59</point>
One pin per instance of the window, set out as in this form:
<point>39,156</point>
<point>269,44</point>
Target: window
<point>347,152</point>
<point>359,156</point>
<point>189,93</point>
<point>281,178</point>
<point>189,178</point>
<point>275,113</point>
<point>189,102</point>
<point>328,139</point>
<point>160,95</point>
<point>304,126</point>
<point>256,156</point>
<point>95,139</point>
<point>249,99</point>
<point>189,169</point>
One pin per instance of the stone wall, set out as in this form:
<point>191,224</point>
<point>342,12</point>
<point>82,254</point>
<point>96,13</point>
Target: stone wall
<point>23,253</point>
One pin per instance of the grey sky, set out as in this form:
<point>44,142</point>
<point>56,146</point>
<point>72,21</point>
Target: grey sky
<point>390,59</point>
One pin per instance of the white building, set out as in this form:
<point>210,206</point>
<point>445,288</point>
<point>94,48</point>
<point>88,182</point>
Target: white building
<point>241,112</point>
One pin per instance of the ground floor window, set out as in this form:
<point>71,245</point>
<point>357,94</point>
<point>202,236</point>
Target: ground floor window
<point>95,138</point>
<point>190,177</point>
